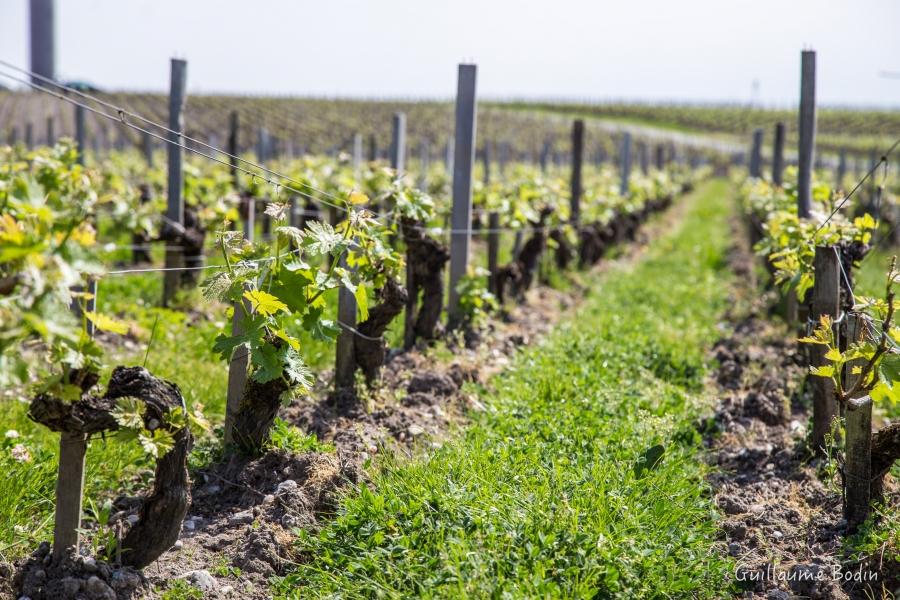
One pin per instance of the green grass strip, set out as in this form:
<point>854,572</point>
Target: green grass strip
<point>543,495</point>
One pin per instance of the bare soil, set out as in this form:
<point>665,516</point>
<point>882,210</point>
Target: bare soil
<point>782,508</point>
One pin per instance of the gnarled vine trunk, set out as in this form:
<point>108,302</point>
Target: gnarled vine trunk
<point>426,258</point>
<point>370,351</point>
<point>885,451</point>
<point>564,250</point>
<point>519,274</point>
<point>163,510</point>
<point>256,414</point>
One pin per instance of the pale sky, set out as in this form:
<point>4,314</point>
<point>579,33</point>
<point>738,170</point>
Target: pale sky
<point>686,50</point>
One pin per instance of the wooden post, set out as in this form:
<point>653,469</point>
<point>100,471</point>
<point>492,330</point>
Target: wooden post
<point>778,155</point>
<point>660,157</point>
<point>486,163</point>
<point>807,132</point>
<point>42,18</point>
<point>51,133</point>
<point>70,473</point>
<point>175,206</point>
<point>461,217</point>
<point>825,301</point>
<point>625,163</point>
<point>644,157</point>
<point>756,154</point>
<point>544,157</point>
<point>237,370</point>
<point>373,148</point>
<point>858,429</point>
<point>357,155</point>
<point>233,128</point>
<point>29,136</point>
<point>147,148</point>
<point>250,221</point>
<point>79,133</point>
<point>493,250</point>
<point>424,155</point>
<point>575,184</point>
<point>398,143</point>
<point>345,362</point>
<point>841,169</point>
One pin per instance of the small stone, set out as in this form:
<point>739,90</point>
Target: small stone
<point>770,466</point>
<point>777,534</point>
<point>125,580</point>
<point>288,485</point>
<point>188,525</point>
<point>226,590</point>
<point>95,588</point>
<point>268,499</point>
<point>796,426</point>
<point>778,595</point>
<point>178,545</point>
<point>212,489</point>
<point>734,549</point>
<point>415,430</point>
<point>132,520</point>
<point>241,518</point>
<point>201,579</point>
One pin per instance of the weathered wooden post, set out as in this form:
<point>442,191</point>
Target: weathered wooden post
<point>756,154</point>
<point>858,430</point>
<point>29,136</point>
<point>51,132</point>
<point>461,217</point>
<point>807,132</point>
<point>493,250</point>
<point>147,148</point>
<point>79,133</point>
<point>545,156</point>
<point>398,143</point>
<point>625,163</point>
<point>778,155</point>
<point>233,128</point>
<point>841,169</point>
<point>575,183</point>
<point>237,370</point>
<point>240,356</point>
<point>644,157</point>
<point>357,155</point>
<point>42,19</point>
<point>175,206</point>
<point>70,473</point>
<point>345,362</point>
<point>424,159</point>
<point>373,148</point>
<point>825,301</point>
<point>660,157</point>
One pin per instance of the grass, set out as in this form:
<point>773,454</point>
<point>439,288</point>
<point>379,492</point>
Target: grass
<point>553,491</point>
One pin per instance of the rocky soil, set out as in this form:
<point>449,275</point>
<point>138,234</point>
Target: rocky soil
<point>782,508</point>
